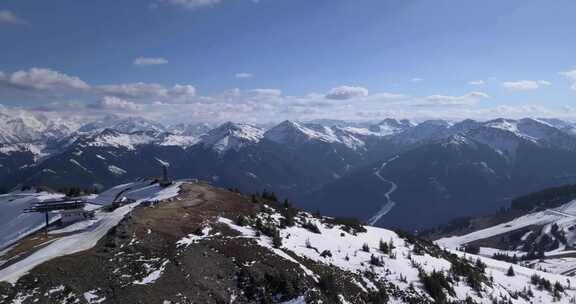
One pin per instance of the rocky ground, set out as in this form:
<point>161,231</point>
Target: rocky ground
<point>211,245</point>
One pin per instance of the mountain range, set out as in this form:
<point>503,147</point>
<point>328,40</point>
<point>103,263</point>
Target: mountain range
<point>389,173</point>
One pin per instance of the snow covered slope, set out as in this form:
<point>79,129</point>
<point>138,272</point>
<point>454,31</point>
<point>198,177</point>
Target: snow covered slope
<point>564,215</point>
<point>541,239</point>
<point>14,224</point>
<point>210,243</point>
<point>391,126</point>
<point>293,133</point>
<point>27,127</point>
<point>139,192</point>
<point>122,124</point>
<point>110,138</point>
<point>231,136</point>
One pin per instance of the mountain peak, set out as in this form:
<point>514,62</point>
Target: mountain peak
<point>123,124</point>
<point>289,132</point>
<point>391,126</point>
<point>231,136</point>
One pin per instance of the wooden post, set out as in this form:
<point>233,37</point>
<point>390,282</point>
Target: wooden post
<point>47,222</point>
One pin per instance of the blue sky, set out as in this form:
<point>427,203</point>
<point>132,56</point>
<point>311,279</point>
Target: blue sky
<point>264,60</point>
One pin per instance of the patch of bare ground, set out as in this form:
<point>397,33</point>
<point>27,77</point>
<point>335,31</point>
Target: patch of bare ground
<point>139,260</point>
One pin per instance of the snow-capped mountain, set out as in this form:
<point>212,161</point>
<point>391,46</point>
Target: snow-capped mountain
<point>506,135</point>
<point>293,133</point>
<point>531,129</point>
<point>303,160</point>
<point>566,126</point>
<point>429,130</point>
<point>446,164</point>
<point>196,243</point>
<point>122,124</point>
<point>25,127</point>
<point>193,130</point>
<point>392,126</point>
<point>231,136</point>
<point>117,139</point>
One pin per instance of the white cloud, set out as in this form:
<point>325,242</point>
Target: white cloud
<point>266,92</point>
<point>190,4</point>
<point>447,100</point>
<point>416,79</point>
<point>346,92</point>
<point>476,82</point>
<point>244,75</point>
<point>56,92</point>
<point>147,61</point>
<point>140,90</point>
<point>42,79</point>
<point>182,91</point>
<point>134,90</point>
<point>115,103</point>
<point>388,97</point>
<point>571,77</point>
<point>525,85</point>
<point>9,17</point>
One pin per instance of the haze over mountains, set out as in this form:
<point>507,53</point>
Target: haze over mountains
<point>393,172</point>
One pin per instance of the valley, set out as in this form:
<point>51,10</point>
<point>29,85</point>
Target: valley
<point>468,168</point>
<point>247,249</point>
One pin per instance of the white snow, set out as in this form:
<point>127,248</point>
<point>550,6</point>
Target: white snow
<point>13,223</point>
<point>231,136</point>
<point>115,139</point>
<point>75,162</point>
<point>179,140</point>
<point>293,133</point>
<point>162,162</point>
<point>74,227</point>
<point>116,170</point>
<point>193,238</point>
<point>264,242</point>
<point>298,300</point>
<point>93,298</point>
<point>563,216</point>
<point>153,275</point>
<point>389,204</point>
<point>347,254</point>
<point>85,240</point>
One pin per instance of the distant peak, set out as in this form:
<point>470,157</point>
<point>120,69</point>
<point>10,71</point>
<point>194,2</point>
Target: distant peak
<point>231,136</point>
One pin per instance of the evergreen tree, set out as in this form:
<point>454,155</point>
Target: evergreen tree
<point>277,239</point>
<point>384,247</point>
<point>510,272</point>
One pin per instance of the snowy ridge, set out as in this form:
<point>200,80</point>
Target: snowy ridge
<point>564,216</point>
<point>130,141</point>
<point>528,128</point>
<point>546,239</point>
<point>26,127</point>
<point>391,126</point>
<point>293,133</point>
<point>122,124</point>
<point>360,253</point>
<point>502,141</point>
<point>289,132</point>
<point>231,136</point>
